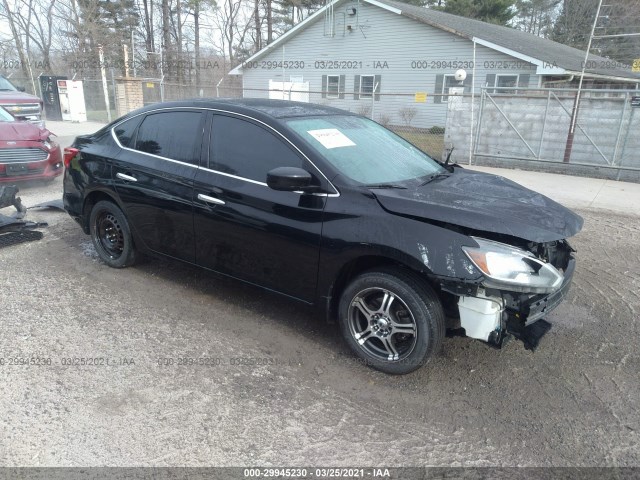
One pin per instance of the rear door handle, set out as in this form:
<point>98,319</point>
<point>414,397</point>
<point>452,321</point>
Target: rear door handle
<point>208,199</point>
<point>126,178</point>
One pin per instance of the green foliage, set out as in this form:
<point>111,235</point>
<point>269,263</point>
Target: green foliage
<point>287,13</point>
<point>499,12</point>
<point>536,16</point>
<point>573,25</point>
<point>419,3</point>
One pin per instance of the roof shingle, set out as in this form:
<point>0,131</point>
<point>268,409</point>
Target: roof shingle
<point>542,49</point>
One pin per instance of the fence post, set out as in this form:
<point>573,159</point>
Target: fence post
<point>480,115</point>
<point>544,124</point>
<point>624,145</point>
<point>619,136</point>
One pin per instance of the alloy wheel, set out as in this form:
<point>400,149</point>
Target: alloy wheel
<point>382,324</point>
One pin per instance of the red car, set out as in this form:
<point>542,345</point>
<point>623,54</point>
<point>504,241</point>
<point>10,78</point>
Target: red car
<point>21,105</point>
<point>27,151</point>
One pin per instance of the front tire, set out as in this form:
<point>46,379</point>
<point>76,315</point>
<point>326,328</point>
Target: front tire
<point>392,319</point>
<point>111,235</point>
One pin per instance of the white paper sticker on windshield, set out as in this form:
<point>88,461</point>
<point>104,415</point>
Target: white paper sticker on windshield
<point>331,138</point>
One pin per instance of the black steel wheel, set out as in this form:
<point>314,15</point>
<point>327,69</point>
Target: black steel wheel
<point>111,235</point>
<point>392,319</point>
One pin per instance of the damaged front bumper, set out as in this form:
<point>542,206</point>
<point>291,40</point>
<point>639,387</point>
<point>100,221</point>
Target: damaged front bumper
<point>493,315</point>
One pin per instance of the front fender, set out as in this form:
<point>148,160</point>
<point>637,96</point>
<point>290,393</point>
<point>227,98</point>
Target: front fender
<point>432,250</point>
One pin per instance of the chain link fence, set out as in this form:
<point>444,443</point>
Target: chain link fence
<point>545,129</point>
<point>513,127</point>
<point>419,118</point>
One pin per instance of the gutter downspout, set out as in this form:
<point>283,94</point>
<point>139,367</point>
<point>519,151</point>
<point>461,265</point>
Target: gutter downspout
<point>566,80</point>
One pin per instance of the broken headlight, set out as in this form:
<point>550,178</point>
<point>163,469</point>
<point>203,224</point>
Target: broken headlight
<point>512,268</point>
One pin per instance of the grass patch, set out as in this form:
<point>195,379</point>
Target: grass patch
<point>100,116</point>
<point>431,144</point>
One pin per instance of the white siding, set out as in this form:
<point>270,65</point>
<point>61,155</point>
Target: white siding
<point>386,44</point>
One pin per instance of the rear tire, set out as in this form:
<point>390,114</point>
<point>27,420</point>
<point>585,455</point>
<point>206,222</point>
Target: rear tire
<point>392,319</point>
<point>111,235</point>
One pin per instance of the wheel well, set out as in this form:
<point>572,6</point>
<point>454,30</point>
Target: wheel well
<point>89,202</point>
<point>357,266</point>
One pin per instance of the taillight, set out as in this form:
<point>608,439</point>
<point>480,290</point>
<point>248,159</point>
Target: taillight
<point>69,153</point>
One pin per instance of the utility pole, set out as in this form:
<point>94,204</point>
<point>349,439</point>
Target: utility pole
<point>576,104</point>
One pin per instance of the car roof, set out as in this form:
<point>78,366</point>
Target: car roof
<point>262,106</point>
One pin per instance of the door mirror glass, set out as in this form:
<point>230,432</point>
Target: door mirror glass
<point>289,179</point>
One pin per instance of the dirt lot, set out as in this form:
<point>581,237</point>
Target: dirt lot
<point>278,386</point>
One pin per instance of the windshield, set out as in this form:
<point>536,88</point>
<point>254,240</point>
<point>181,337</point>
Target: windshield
<point>363,150</point>
<point>6,116</point>
<point>6,85</point>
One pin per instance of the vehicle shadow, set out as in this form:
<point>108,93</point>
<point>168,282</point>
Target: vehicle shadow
<point>302,332</point>
<point>299,318</point>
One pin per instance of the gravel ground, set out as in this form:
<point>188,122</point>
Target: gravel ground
<point>279,387</point>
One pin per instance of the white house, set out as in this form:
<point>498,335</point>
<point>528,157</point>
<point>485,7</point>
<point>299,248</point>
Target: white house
<point>397,62</point>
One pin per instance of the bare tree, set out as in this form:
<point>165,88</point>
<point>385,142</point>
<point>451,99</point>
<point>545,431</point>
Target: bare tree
<point>9,12</point>
<point>148,27</point>
<point>166,37</point>
<point>258,25</point>
<point>34,18</point>
<point>573,25</point>
<point>231,19</point>
<point>269,6</point>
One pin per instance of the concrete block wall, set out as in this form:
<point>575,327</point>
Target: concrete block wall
<point>544,125</point>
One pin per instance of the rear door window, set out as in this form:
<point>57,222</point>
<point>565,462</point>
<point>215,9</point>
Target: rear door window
<point>176,135</point>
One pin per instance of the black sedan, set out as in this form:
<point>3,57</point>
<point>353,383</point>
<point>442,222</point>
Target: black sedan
<point>331,209</point>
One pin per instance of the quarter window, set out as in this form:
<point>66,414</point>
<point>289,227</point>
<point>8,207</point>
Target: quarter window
<point>126,129</point>
<point>244,149</point>
<point>174,135</point>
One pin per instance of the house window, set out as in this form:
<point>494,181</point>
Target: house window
<point>333,86</point>
<point>367,85</point>
<point>449,82</point>
<point>506,81</point>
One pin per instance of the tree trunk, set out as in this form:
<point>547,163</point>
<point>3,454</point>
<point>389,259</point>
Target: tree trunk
<point>18,39</point>
<point>269,23</point>
<point>230,29</point>
<point>256,15</point>
<point>166,39</point>
<point>180,69</point>
<point>151,27</point>
<point>148,41</point>
<point>196,25</point>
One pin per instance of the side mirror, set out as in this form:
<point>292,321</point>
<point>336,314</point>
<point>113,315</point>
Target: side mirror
<point>20,89</point>
<point>288,179</point>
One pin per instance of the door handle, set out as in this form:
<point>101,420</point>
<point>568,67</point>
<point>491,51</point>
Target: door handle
<point>208,199</point>
<point>126,178</point>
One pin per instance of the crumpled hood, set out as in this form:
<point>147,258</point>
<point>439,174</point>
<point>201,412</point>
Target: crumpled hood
<point>485,202</point>
<point>22,131</point>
